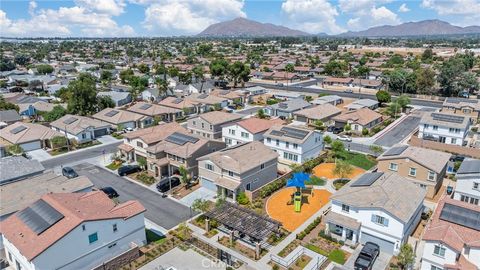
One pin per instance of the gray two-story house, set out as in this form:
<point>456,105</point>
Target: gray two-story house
<point>238,168</point>
<point>287,108</point>
<point>209,125</point>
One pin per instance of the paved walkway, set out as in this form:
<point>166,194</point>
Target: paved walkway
<point>183,260</point>
<point>200,193</point>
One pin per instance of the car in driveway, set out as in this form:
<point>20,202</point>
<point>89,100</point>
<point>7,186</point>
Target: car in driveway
<point>367,257</point>
<point>334,130</point>
<point>128,169</point>
<point>165,184</point>
<point>348,91</point>
<point>111,193</point>
<point>344,138</point>
<point>69,172</point>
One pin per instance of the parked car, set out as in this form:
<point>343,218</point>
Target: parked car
<point>69,172</point>
<point>111,193</point>
<point>128,169</point>
<point>348,91</point>
<point>367,256</point>
<point>457,158</point>
<point>127,129</point>
<point>449,190</point>
<point>344,138</point>
<point>279,84</point>
<point>334,129</point>
<point>164,184</point>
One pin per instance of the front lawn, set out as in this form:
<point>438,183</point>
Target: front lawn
<point>359,160</point>
<point>114,166</point>
<point>336,255</point>
<point>153,237</point>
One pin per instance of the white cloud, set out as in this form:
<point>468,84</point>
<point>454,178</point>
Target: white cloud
<point>312,16</point>
<point>454,7</point>
<point>64,21</point>
<point>359,7</point>
<point>112,7</point>
<point>403,8</point>
<point>383,15</point>
<point>365,13</point>
<point>32,5</point>
<point>177,17</point>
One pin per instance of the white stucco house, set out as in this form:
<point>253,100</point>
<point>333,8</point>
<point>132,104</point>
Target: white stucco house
<point>72,231</point>
<point>294,144</point>
<point>467,188</point>
<point>383,208</point>
<point>444,128</point>
<point>247,130</point>
<point>452,238</point>
<point>81,128</point>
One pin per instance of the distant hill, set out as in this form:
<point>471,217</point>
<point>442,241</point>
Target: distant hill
<point>421,28</point>
<point>241,27</point>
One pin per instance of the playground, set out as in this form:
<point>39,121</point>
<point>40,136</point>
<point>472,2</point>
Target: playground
<point>295,203</point>
<point>326,170</point>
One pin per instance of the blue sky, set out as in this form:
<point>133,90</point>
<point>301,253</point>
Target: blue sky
<point>116,18</point>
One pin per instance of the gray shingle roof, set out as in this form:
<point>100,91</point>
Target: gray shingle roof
<point>9,116</point>
<point>17,167</point>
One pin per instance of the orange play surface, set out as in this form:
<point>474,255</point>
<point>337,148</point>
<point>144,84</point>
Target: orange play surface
<point>278,209</point>
<point>326,170</point>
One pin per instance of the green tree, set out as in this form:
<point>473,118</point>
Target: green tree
<point>319,125</point>
<point>383,96</point>
<point>289,68</point>
<point>59,141</point>
<point>261,114</point>
<point>142,162</point>
<point>199,73</point>
<point>126,75</point>
<point>106,76</point>
<point>242,198</point>
<point>364,131</point>
<point>238,72</point>
<point>337,148</point>
<point>173,72</point>
<point>308,98</point>
<point>342,169</point>
<point>200,205</point>
<point>327,140</point>
<point>406,256</point>
<point>376,149</point>
<point>83,100</point>
<point>105,102</point>
<point>347,128</point>
<point>143,68</point>
<point>21,59</point>
<point>185,78</point>
<point>403,101</point>
<point>5,105</point>
<point>427,55</point>
<point>185,178</point>
<point>64,94</point>
<point>218,68</point>
<point>449,77</point>
<point>425,81</point>
<point>137,85</point>
<point>336,68</point>
<point>15,149</point>
<point>56,113</point>
<point>468,82</point>
<point>6,64</point>
<point>44,69</point>
<point>162,86</point>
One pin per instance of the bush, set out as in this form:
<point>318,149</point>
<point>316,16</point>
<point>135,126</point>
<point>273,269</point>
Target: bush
<point>270,188</point>
<point>364,132</point>
<point>242,198</point>
<point>309,228</point>
<point>145,178</point>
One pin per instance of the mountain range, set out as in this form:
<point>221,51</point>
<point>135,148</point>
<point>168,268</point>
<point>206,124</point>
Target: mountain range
<point>241,27</point>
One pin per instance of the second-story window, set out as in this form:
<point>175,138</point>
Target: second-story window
<point>269,140</point>
<point>393,167</point>
<point>209,167</point>
<point>230,173</point>
<point>287,144</point>
<point>380,220</point>
<point>345,208</point>
<point>431,175</point>
<point>277,142</point>
<point>413,172</point>
<point>295,146</point>
<point>262,166</point>
<point>435,127</point>
<point>140,144</point>
<point>114,227</point>
<point>439,250</point>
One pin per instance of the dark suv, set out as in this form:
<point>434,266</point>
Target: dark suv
<point>367,256</point>
<point>128,169</point>
<point>69,172</point>
<point>164,184</point>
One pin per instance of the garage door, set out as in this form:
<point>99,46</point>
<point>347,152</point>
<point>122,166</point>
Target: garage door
<point>100,132</point>
<point>208,184</point>
<point>385,246</point>
<point>31,146</point>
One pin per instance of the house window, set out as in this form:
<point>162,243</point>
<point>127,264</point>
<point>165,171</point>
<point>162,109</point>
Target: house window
<point>262,166</point>
<point>92,238</point>
<point>203,125</point>
<point>140,144</point>
<point>84,136</point>
<point>211,127</point>
<point>277,142</point>
<point>345,208</point>
<point>435,127</point>
<point>248,186</point>
<point>475,185</point>
<point>474,201</point>
<point>295,146</point>
<point>431,175</point>
<point>380,220</point>
<point>439,250</point>
<point>287,144</point>
<point>209,167</point>
<point>269,140</point>
<point>232,131</point>
<point>423,186</point>
<point>413,172</point>
<point>426,126</point>
<point>433,267</point>
<point>194,123</point>
<point>83,227</point>
<point>114,227</point>
<point>466,111</point>
<point>464,198</point>
<point>295,158</point>
<point>230,173</point>
<point>393,167</point>
<point>245,135</point>
<point>454,141</point>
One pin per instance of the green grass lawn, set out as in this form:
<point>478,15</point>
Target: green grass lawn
<point>359,160</point>
<point>153,237</point>
<point>315,181</point>
<point>113,166</point>
<point>336,255</point>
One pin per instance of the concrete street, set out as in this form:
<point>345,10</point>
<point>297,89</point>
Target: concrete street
<point>399,132</point>
<point>164,212</point>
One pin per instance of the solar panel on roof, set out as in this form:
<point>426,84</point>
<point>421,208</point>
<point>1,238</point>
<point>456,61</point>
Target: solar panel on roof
<point>462,216</point>
<point>367,179</point>
<point>18,129</point>
<point>395,151</point>
<point>39,216</point>
<point>177,101</point>
<point>294,133</point>
<point>277,133</point>
<point>145,106</point>
<point>448,118</point>
<point>69,120</point>
<point>111,113</point>
<point>469,166</point>
<point>180,139</point>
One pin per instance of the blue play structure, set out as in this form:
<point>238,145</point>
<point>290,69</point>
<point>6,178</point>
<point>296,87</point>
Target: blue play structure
<point>298,180</point>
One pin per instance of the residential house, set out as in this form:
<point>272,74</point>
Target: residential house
<point>363,103</point>
<point>121,119</point>
<point>247,130</point>
<point>287,108</point>
<point>187,106</point>
<point>367,83</point>
<point>254,92</point>
<point>463,107</point>
<point>332,99</point>
<point>151,94</point>
<point>18,195</point>
<point>35,109</point>
<point>445,128</point>
<point>15,168</point>
<point>210,102</point>
<point>424,167</point>
<point>333,81</point>
<point>288,95</point>
<point>358,120</point>
<point>81,128</point>
<point>72,231</point>
<point>179,149</point>
<point>246,166</point>
<point>8,117</point>
<point>135,143</point>
<point>163,113</point>
<point>294,144</point>
<point>233,97</point>
<point>467,188</point>
<point>29,136</point>
<point>209,125</point>
<point>119,98</point>
<point>323,113</point>
<point>452,237</point>
<point>383,208</point>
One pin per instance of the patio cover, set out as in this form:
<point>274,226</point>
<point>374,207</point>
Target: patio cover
<point>342,220</point>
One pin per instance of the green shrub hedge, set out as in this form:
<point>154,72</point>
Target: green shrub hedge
<point>309,228</point>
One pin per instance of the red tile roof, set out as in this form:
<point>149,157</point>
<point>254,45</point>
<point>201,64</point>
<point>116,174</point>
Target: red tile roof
<point>451,234</point>
<point>256,125</point>
<point>76,209</point>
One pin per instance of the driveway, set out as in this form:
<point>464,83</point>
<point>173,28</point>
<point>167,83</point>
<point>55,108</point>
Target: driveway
<point>164,212</point>
<point>380,264</point>
<point>249,111</point>
<point>399,132</point>
<point>182,260</point>
<point>39,154</point>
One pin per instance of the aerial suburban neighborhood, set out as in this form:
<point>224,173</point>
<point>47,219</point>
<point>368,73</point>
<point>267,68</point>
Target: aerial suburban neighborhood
<point>229,134</point>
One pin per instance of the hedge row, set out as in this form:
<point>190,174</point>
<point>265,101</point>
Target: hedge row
<point>309,228</point>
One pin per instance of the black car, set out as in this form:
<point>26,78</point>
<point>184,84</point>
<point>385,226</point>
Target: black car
<point>128,169</point>
<point>367,256</point>
<point>69,172</point>
<point>111,193</point>
<point>164,184</point>
<point>457,158</point>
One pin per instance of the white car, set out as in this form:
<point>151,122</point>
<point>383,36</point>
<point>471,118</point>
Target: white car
<point>344,138</point>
